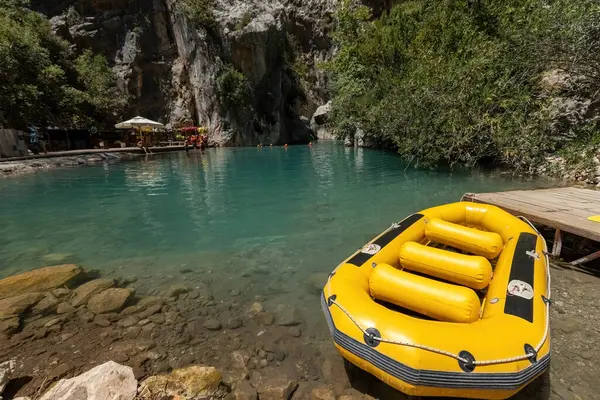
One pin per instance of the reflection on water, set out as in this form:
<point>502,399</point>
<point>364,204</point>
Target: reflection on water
<point>227,211</point>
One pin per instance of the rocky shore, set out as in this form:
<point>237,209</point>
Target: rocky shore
<point>14,168</point>
<point>65,330</point>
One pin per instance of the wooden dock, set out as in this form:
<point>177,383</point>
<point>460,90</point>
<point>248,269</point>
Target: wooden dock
<point>564,209</point>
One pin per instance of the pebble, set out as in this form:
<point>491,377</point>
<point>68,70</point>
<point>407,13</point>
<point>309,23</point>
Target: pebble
<point>265,318</point>
<point>53,322</point>
<point>176,290</point>
<point>87,317</point>
<point>235,292</point>
<point>256,307</point>
<point>270,357</point>
<point>102,320</point>
<point>144,322</point>
<point>263,363</point>
<point>153,309</point>
<point>61,292</point>
<point>157,318</point>
<point>149,327</point>
<point>41,333</point>
<point>64,308</point>
<point>194,294</point>
<point>212,325</point>
<point>133,332</point>
<point>120,358</point>
<point>129,321</point>
<point>295,331</point>
<point>130,310</point>
<point>185,271</point>
<point>234,323</point>
<point>587,355</point>
<point>262,354</point>
<point>279,355</point>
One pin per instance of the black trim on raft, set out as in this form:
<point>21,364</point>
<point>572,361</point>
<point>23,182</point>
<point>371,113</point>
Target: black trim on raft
<point>429,378</point>
<point>360,258</point>
<point>522,269</point>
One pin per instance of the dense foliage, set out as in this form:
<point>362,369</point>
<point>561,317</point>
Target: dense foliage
<point>459,81</point>
<point>42,82</point>
<point>233,89</point>
<point>200,12</point>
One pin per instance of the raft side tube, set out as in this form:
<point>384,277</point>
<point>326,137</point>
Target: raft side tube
<point>471,271</point>
<point>439,300</point>
<point>478,242</point>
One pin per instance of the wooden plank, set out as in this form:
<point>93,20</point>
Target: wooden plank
<point>557,245</point>
<point>565,209</point>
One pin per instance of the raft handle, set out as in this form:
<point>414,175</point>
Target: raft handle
<point>371,335</point>
<point>469,365</point>
<point>530,350</point>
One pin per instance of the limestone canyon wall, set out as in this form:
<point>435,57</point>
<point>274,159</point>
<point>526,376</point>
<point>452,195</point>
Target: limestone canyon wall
<point>169,65</point>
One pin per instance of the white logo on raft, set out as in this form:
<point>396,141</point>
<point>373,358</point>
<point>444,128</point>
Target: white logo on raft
<point>371,248</point>
<point>520,289</point>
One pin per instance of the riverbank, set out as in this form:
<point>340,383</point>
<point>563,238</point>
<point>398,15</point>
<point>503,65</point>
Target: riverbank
<point>58,322</point>
<point>21,165</point>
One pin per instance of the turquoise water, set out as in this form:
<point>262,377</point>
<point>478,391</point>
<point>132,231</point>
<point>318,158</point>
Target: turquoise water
<point>274,215</point>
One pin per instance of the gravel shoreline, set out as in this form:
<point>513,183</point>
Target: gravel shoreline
<point>255,345</point>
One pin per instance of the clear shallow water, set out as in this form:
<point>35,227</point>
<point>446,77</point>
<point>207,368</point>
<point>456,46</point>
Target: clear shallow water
<point>271,214</point>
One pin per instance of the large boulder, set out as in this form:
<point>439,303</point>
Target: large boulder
<point>83,293</point>
<point>107,381</point>
<point>110,300</point>
<point>189,383</point>
<point>319,122</point>
<point>39,280</point>
<point>18,304</point>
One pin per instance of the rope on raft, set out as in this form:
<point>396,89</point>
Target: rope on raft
<point>525,356</point>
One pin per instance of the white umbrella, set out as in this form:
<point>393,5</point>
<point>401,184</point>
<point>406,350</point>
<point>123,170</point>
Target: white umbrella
<point>138,122</point>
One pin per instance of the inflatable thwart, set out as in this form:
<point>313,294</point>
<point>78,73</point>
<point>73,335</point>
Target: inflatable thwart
<point>451,301</point>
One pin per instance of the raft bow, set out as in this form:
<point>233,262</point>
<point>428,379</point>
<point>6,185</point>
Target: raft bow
<point>451,301</point>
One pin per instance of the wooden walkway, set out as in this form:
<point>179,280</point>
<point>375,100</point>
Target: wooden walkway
<point>564,209</point>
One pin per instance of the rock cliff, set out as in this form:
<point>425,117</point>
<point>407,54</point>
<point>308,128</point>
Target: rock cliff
<point>172,66</point>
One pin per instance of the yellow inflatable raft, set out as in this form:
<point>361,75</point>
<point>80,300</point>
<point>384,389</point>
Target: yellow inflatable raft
<point>452,301</point>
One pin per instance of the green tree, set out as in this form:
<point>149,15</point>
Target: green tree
<point>456,81</point>
<point>41,80</point>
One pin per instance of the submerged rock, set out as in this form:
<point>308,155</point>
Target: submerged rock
<point>176,290</point>
<point>39,280</point>
<point>189,383</point>
<point>107,381</point>
<point>82,294</point>
<point>239,359</point>
<point>59,258</point>
<point>287,316</point>
<point>110,300</point>
<point>212,325</point>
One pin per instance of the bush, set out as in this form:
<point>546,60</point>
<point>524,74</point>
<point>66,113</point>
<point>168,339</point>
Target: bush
<point>41,81</point>
<point>452,82</point>
<point>233,88</point>
<point>200,12</point>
